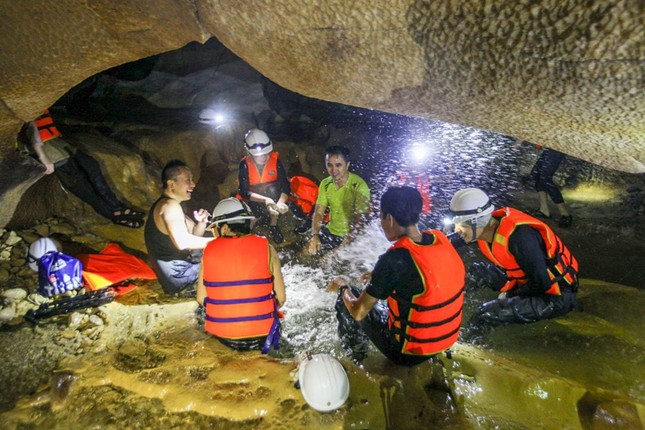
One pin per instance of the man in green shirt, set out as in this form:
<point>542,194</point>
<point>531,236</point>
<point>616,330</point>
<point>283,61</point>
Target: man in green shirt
<point>347,197</point>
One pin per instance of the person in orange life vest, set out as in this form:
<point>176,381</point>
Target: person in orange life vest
<point>263,182</point>
<point>174,241</point>
<point>78,172</point>
<point>240,282</point>
<point>422,278</point>
<point>541,274</point>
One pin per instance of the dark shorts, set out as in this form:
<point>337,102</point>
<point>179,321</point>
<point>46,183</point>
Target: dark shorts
<point>329,240</point>
<point>355,334</point>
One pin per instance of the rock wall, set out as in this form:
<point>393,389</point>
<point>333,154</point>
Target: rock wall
<point>568,75</point>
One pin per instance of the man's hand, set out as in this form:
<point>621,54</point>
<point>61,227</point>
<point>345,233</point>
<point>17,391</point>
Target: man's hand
<point>366,277</point>
<point>282,208</point>
<point>336,283</point>
<point>314,245</point>
<point>201,216</point>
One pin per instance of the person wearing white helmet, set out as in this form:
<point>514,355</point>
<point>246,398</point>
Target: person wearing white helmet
<point>173,239</point>
<point>346,197</point>
<point>240,282</point>
<point>422,279</point>
<point>263,181</point>
<point>541,274</point>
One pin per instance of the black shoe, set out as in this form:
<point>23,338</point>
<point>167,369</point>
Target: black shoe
<point>565,221</point>
<point>304,227</point>
<point>537,213</point>
<point>276,234</point>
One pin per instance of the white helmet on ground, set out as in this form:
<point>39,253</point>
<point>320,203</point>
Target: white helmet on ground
<point>39,248</point>
<point>257,142</point>
<point>323,382</point>
<point>471,204</point>
<point>231,211</point>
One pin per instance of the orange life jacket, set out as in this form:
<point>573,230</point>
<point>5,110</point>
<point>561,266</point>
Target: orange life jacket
<point>113,266</point>
<point>258,183</point>
<point>561,264</point>
<point>304,193</point>
<point>239,301</point>
<point>422,184</point>
<point>46,128</point>
<point>432,323</point>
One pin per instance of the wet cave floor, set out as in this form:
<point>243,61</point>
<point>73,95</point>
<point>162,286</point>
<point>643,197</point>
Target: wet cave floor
<point>151,365</point>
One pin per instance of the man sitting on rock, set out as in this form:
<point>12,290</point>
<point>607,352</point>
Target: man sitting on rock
<point>171,236</point>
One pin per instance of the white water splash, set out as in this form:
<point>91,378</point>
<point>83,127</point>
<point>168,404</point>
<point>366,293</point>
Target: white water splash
<point>310,318</point>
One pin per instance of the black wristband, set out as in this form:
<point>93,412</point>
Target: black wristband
<point>343,288</point>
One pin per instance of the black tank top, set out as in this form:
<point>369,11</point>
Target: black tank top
<point>159,245</point>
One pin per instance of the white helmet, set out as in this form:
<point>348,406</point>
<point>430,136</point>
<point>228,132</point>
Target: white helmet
<point>39,248</point>
<point>323,382</point>
<point>257,142</point>
<point>232,211</point>
<point>471,204</point>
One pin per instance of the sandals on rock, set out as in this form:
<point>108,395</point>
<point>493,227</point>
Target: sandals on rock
<point>128,221</point>
<point>127,212</point>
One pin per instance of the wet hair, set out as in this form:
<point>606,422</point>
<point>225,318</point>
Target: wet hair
<point>172,170</point>
<point>338,150</point>
<point>239,227</point>
<point>403,203</point>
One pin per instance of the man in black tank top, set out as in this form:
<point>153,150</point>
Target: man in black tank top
<point>173,239</point>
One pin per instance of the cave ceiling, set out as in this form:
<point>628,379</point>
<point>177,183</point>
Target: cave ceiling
<point>564,74</point>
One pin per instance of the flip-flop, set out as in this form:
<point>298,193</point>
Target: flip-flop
<point>128,212</point>
<point>128,221</point>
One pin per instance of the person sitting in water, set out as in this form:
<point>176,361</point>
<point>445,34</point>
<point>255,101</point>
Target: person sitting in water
<point>263,182</point>
<point>79,172</point>
<point>541,274</point>
<point>240,282</point>
<point>422,278</point>
<point>172,237</point>
<point>347,197</point>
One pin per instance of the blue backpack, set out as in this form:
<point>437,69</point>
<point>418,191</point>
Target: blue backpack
<point>58,273</point>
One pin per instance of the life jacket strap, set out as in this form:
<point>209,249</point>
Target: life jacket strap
<point>238,301</point>
<point>240,319</point>
<point>417,307</point>
<point>238,283</point>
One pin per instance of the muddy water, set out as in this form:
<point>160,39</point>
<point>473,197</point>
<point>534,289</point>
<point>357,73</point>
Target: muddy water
<point>160,369</point>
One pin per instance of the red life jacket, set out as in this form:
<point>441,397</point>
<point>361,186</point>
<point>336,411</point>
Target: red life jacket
<point>239,301</point>
<point>422,184</point>
<point>304,193</point>
<point>259,183</point>
<point>561,264</point>
<point>46,128</point>
<point>432,323</point>
<point>113,266</point>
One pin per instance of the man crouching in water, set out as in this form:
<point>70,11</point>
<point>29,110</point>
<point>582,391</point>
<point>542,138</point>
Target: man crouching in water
<point>171,236</point>
<point>240,283</point>
<point>422,278</point>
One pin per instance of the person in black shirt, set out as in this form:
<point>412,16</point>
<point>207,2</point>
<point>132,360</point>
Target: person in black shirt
<point>541,274</point>
<point>422,278</point>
